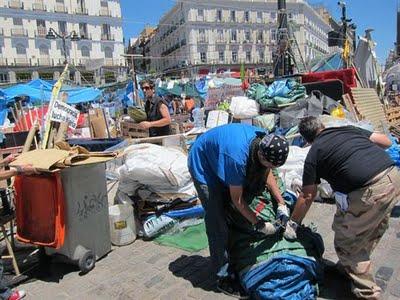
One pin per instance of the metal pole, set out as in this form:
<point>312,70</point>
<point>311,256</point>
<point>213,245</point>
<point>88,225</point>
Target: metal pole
<point>65,51</point>
<point>135,85</point>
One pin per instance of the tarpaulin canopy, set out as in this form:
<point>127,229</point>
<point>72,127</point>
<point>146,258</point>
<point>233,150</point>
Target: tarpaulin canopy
<point>332,62</point>
<point>38,90</point>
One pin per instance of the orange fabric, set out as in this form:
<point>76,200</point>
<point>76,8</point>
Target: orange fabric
<point>40,210</point>
<point>189,104</point>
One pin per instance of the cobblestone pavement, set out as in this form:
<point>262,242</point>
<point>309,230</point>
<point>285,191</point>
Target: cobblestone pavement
<point>144,270</point>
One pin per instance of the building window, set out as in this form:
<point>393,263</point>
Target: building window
<point>108,53</point>
<point>233,16</point>
<point>259,16</point>
<point>273,34</point>
<point>273,15</point>
<point>233,35</point>
<point>247,35</point>
<point>221,56</point>
<point>85,52</point>
<point>44,50</point>
<point>41,23</point>
<point>17,21</point>
<point>261,55</point>
<point>200,12</point>
<point>234,56</point>
<point>104,3</point>
<point>203,57</point>
<point>247,16</point>
<point>60,1</point>
<point>219,15</point>
<point>83,32</point>
<point>290,15</point>
<point>21,49</point>
<point>106,32</point>
<point>260,36</point>
<point>62,27</point>
<point>220,35</point>
<point>248,56</point>
<point>202,35</point>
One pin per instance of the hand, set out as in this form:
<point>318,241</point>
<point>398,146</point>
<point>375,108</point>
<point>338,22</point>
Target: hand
<point>145,125</point>
<point>290,231</point>
<point>268,229</point>
<point>9,159</point>
<point>26,170</point>
<point>282,215</point>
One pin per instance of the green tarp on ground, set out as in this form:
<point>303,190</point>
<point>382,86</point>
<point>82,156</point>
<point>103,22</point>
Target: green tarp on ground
<point>192,239</point>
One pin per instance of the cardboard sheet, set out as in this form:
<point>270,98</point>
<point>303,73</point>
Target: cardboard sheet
<point>41,159</point>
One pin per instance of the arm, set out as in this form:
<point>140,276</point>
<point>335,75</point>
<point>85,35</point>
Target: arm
<point>303,203</point>
<point>380,139</point>
<point>274,189</point>
<point>236,193</point>
<point>166,118</point>
<point>8,174</point>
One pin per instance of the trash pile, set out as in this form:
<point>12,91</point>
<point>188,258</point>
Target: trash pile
<point>156,181</point>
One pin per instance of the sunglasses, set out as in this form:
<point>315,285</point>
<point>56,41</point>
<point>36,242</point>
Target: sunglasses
<point>145,88</point>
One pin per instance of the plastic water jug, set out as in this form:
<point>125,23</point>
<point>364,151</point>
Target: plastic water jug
<point>122,224</point>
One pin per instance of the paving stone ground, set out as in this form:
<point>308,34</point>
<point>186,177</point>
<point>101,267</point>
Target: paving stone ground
<point>144,270</point>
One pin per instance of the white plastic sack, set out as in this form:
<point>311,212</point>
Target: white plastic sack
<point>244,108</point>
<point>159,169</point>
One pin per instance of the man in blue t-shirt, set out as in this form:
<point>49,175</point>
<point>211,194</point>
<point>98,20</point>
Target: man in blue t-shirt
<point>225,162</point>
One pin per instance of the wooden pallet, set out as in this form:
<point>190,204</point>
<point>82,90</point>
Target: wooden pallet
<point>130,129</point>
<point>393,115</point>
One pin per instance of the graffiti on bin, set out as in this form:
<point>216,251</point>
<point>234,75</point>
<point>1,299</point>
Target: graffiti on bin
<point>90,205</point>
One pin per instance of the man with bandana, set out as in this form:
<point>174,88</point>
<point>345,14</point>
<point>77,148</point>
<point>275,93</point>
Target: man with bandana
<point>225,162</point>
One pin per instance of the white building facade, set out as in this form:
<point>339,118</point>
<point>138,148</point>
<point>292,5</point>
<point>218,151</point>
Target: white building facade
<point>217,34</point>
<point>25,53</point>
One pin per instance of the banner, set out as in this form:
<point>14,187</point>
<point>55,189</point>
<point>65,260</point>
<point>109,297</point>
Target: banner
<point>63,112</point>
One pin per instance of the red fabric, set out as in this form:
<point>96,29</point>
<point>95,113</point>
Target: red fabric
<point>348,76</point>
<point>40,210</point>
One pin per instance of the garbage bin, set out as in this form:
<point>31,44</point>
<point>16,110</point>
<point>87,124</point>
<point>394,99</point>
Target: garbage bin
<point>87,231</point>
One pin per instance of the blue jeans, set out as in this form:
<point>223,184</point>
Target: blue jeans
<point>5,292</point>
<point>213,199</point>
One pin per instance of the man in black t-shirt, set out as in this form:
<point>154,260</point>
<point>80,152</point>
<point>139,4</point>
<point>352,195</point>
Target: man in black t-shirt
<point>366,185</point>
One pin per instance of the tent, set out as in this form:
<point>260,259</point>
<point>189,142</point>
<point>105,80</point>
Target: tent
<point>40,90</point>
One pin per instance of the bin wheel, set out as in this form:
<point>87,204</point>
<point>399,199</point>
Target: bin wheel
<point>87,261</point>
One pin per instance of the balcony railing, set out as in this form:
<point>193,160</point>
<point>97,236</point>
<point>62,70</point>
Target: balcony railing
<point>22,61</point>
<point>107,37</point>
<point>15,4</point>
<point>81,11</point>
<point>105,12</point>
<point>60,8</point>
<point>202,40</point>
<point>39,5</point>
<point>18,31</point>
<point>45,61</point>
<point>41,32</point>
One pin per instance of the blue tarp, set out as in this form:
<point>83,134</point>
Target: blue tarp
<point>394,151</point>
<point>284,276</point>
<point>38,90</point>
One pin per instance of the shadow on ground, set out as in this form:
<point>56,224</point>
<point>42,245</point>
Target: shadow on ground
<point>196,269</point>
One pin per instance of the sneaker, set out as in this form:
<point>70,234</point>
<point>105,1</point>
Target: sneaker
<point>16,295</point>
<point>231,288</point>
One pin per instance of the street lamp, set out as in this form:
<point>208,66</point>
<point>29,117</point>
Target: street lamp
<point>52,35</point>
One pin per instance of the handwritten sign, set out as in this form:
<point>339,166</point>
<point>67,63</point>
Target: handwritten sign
<point>63,112</point>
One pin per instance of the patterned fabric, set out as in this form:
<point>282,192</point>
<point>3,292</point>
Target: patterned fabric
<point>275,149</point>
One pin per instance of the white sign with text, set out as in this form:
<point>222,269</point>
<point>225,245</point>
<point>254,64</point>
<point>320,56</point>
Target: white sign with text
<point>63,112</point>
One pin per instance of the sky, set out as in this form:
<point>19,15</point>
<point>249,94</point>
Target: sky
<point>377,14</point>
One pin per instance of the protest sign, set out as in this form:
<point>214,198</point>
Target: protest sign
<point>63,112</point>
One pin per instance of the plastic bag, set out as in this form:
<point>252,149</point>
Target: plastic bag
<point>244,108</point>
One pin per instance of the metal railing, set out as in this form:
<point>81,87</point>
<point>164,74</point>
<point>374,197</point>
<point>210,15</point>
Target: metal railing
<point>41,32</point>
<point>81,11</point>
<point>39,5</point>
<point>15,4</point>
<point>107,37</point>
<point>60,8</point>
<point>45,61</point>
<point>19,31</point>
<point>105,12</point>
<point>22,61</point>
